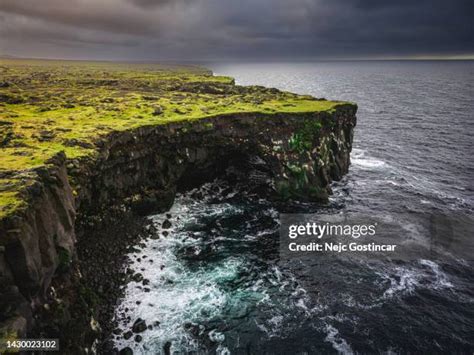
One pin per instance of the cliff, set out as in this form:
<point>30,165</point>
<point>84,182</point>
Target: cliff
<point>87,139</point>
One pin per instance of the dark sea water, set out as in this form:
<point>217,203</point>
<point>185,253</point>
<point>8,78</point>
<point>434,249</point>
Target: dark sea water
<point>218,285</point>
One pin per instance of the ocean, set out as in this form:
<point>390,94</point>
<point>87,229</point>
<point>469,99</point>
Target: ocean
<point>217,283</point>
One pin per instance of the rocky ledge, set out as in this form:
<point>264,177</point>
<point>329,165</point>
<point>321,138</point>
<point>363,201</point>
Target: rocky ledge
<point>286,154</point>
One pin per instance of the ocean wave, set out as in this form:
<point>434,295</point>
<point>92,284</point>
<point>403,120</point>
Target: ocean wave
<point>361,160</point>
<point>404,280</point>
<point>202,294</point>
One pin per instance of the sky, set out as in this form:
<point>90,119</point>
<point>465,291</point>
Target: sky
<point>245,30</point>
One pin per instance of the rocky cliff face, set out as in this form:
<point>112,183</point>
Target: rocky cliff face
<point>280,156</point>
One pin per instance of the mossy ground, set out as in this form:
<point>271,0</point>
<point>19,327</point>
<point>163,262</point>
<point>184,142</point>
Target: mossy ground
<point>52,106</point>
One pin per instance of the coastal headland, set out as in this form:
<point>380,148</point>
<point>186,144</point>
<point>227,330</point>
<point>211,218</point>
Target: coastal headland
<point>83,144</point>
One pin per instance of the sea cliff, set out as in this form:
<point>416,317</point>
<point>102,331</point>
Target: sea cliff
<point>84,142</point>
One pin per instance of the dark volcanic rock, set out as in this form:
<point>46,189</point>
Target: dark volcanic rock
<point>166,224</point>
<point>139,326</point>
<point>167,348</point>
<point>137,277</point>
<point>126,351</point>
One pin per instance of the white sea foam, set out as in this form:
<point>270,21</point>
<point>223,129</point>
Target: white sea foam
<point>363,161</point>
<point>337,342</point>
<point>404,280</point>
<point>183,298</point>
<point>177,295</point>
<point>441,278</point>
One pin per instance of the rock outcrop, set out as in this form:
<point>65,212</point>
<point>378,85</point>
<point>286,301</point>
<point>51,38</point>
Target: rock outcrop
<point>281,156</point>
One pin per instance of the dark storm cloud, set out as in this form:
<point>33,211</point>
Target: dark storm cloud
<point>245,29</point>
<point>99,15</point>
<point>152,3</point>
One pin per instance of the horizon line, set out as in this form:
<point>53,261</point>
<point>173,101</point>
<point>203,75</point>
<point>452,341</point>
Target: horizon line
<point>467,57</point>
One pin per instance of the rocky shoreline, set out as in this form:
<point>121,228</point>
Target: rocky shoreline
<point>80,301</point>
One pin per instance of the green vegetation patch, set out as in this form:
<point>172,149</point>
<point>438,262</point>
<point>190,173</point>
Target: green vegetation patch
<point>52,106</point>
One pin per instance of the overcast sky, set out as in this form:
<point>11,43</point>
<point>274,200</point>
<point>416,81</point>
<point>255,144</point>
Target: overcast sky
<point>236,29</point>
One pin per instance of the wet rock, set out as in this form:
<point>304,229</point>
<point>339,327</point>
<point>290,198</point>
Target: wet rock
<point>192,328</point>
<point>145,205</point>
<point>165,233</point>
<point>197,195</point>
<point>126,351</point>
<point>167,348</point>
<point>138,338</point>
<point>137,277</point>
<point>127,335</point>
<point>139,326</point>
<point>166,224</point>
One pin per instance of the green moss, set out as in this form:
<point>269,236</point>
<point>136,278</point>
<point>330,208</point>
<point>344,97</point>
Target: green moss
<point>208,125</point>
<point>299,176</point>
<point>88,297</point>
<point>9,201</point>
<point>284,190</point>
<point>5,336</point>
<point>302,140</point>
<point>299,143</point>
<point>65,260</point>
<point>52,106</point>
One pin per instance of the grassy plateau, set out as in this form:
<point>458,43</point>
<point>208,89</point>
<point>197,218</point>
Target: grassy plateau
<point>52,106</point>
